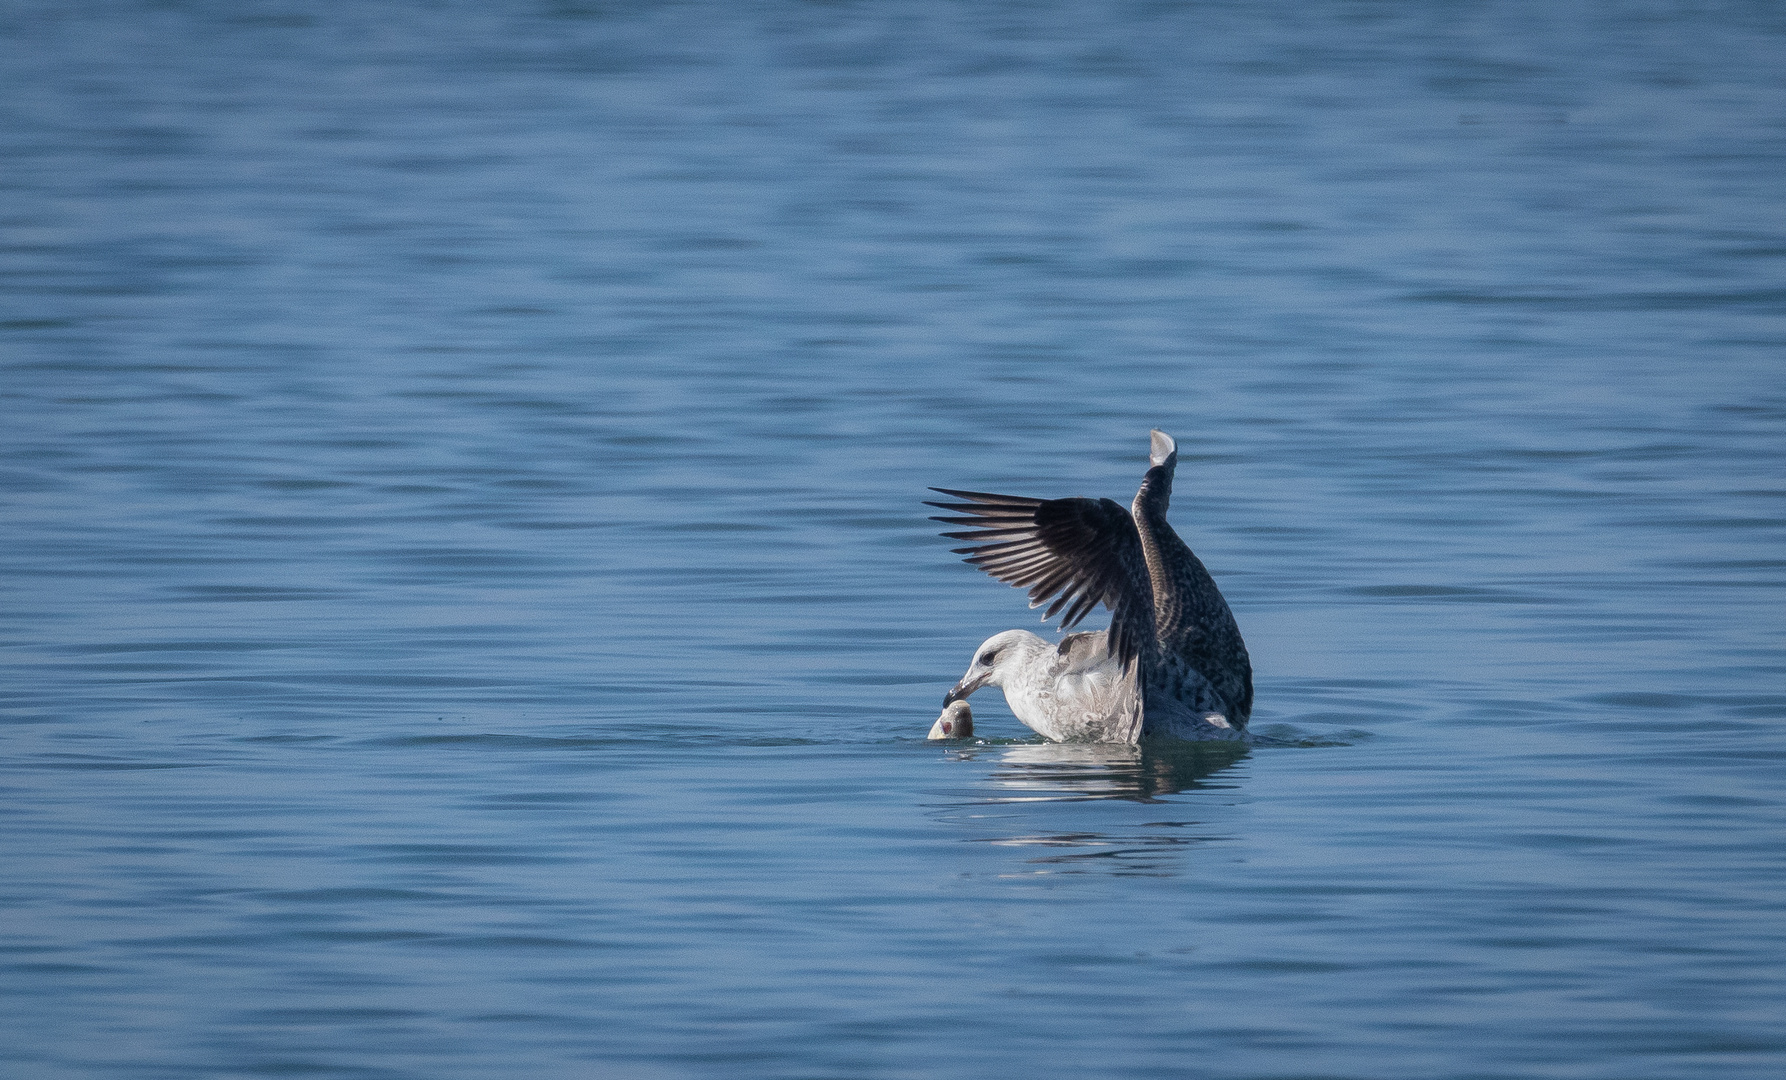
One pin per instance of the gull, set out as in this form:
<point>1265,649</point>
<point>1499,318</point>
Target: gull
<point>1171,664</point>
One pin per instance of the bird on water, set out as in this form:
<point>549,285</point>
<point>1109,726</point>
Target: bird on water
<point>1172,663</point>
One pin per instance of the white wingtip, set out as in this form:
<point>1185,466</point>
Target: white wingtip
<point>1161,448</point>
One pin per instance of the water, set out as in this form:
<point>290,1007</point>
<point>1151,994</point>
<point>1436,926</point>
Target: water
<point>468,612</point>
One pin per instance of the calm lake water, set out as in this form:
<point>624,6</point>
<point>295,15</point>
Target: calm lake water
<point>468,610</point>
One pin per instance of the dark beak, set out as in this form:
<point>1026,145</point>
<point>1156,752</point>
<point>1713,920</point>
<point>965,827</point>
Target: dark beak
<point>960,691</point>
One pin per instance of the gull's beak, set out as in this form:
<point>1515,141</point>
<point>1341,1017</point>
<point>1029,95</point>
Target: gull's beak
<point>962,689</point>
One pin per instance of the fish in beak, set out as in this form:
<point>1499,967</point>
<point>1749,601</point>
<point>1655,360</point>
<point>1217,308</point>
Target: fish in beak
<point>957,722</point>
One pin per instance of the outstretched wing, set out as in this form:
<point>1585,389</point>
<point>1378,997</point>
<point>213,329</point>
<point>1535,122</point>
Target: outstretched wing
<point>1079,553</point>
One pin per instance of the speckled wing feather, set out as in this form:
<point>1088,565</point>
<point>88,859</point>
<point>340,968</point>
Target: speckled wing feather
<point>1197,628</point>
<point>1079,553</point>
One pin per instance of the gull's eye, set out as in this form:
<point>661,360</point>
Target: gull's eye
<point>987,657</point>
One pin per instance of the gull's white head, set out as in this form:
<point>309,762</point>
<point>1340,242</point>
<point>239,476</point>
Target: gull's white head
<point>996,657</point>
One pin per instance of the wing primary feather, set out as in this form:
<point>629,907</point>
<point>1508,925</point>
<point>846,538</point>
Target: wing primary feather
<point>1003,512</point>
<point>988,497</point>
<point>1049,583</point>
<point>1007,570</point>
<point>1015,556</point>
<point>1002,535</point>
<point>1070,555</point>
<point>1080,609</point>
<point>1069,599</point>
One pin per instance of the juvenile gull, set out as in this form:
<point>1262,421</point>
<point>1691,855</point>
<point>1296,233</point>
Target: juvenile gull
<point>1172,663</point>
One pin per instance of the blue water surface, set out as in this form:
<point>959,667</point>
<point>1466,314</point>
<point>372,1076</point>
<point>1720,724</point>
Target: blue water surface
<point>467,610</point>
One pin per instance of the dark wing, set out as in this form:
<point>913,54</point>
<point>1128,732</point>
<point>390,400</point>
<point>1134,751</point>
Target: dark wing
<point>1079,552</point>
<point>1199,627</point>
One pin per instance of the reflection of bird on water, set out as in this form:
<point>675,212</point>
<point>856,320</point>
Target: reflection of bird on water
<point>1073,772</point>
<point>1172,663</point>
